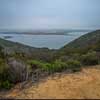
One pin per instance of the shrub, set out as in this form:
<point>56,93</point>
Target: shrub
<point>56,66</point>
<point>5,85</point>
<point>47,67</point>
<point>74,65</point>
<point>17,71</point>
<point>34,64</point>
<point>3,70</point>
<point>2,54</point>
<point>4,76</point>
<point>59,66</point>
<point>64,58</point>
<point>89,59</point>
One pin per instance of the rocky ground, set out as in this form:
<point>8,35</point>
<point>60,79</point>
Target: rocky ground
<point>81,85</point>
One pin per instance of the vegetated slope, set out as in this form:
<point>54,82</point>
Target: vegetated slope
<point>17,46</point>
<point>82,85</point>
<point>12,46</point>
<point>87,40</point>
<point>36,53</point>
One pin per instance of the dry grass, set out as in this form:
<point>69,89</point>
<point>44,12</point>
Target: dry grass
<point>82,85</point>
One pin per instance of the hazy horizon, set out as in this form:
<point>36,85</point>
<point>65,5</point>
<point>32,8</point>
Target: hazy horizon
<point>44,30</point>
<point>49,14</point>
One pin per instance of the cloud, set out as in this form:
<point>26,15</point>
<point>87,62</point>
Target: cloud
<point>47,14</point>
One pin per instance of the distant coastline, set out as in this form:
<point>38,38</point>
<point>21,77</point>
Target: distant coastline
<point>45,32</point>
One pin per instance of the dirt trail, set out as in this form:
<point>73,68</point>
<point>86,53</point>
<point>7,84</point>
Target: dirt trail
<point>82,85</point>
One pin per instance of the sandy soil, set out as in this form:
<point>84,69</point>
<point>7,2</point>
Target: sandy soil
<point>82,85</point>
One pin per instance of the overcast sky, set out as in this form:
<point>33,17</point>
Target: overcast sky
<point>49,14</point>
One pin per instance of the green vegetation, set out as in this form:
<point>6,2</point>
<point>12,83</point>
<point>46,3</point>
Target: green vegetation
<point>89,39</point>
<point>4,76</point>
<point>56,66</point>
<point>75,65</point>
<point>5,85</point>
<point>85,49</point>
<point>90,58</point>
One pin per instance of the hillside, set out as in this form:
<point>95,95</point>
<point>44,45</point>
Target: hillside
<point>87,40</point>
<point>32,52</point>
<point>82,85</point>
<point>14,46</point>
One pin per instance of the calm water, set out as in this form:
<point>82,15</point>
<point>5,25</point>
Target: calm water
<point>49,41</point>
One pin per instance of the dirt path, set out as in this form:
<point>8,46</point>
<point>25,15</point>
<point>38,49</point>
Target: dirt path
<point>85,84</point>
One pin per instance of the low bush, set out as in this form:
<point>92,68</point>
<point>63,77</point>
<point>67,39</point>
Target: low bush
<point>34,64</point>
<point>73,65</point>
<point>17,71</point>
<point>90,58</point>
<point>59,66</point>
<point>4,76</point>
<point>3,70</point>
<point>12,73</point>
<point>5,84</point>
<point>47,67</point>
<point>56,66</point>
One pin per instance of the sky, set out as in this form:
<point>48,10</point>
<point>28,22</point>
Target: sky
<point>49,14</point>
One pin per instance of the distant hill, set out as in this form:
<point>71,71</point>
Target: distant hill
<point>89,40</point>
<point>13,46</point>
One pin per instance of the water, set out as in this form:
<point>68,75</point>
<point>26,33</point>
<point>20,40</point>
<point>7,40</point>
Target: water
<point>49,41</point>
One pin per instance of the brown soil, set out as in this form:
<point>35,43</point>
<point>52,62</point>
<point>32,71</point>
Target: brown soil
<point>82,85</point>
